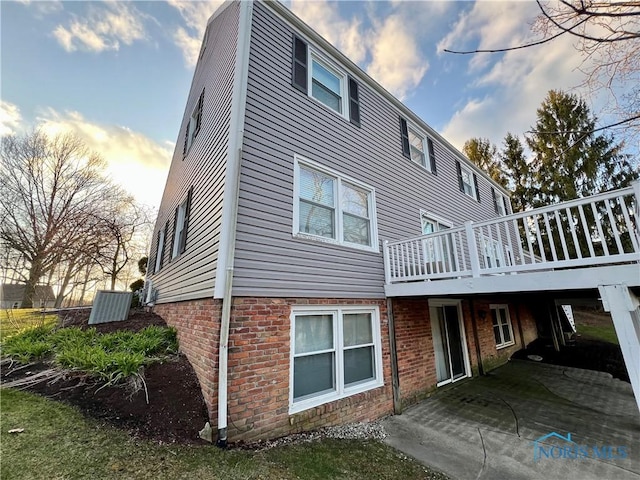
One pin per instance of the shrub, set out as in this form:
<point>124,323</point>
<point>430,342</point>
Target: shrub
<point>111,357</point>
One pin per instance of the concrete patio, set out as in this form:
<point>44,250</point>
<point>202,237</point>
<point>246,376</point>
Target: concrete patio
<point>492,427</point>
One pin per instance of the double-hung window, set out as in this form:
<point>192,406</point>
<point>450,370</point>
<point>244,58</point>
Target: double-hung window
<point>439,252</point>
<point>335,352</point>
<point>323,80</point>
<point>333,208</point>
<point>181,223</point>
<point>502,330</point>
<point>499,203</point>
<point>193,127</point>
<point>468,182</point>
<point>417,146</point>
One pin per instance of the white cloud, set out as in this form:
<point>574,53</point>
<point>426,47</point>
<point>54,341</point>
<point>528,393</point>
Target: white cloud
<point>10,118</point>
<point>324,18</point>
<point>44,8</point>
<point>375,50</point>
<point>195,16</point>
<point>506,89</point>
<point>134,161</point>
<point>104,29</point>
<point>397,69</point>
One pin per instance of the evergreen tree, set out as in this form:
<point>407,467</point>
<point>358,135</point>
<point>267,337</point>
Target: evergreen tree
<point>485,155</point>
<point>517,172</point>
<point>569,159</point>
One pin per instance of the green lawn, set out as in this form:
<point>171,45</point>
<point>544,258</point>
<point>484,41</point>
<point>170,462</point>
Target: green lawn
<point>14,320</point>
<point>58,442</point>
<point>599,332</point>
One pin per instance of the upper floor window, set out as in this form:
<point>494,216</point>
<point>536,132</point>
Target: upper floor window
<point>468,182</point>
<point>181,223</point>
<point>417,146</point>
<point>162,234</point>
<point>335,352</point>
<point>193,127</point>
<point>332,207</point>
<point>499,203</point>
<point>502,330</point>
<point>324,81</point>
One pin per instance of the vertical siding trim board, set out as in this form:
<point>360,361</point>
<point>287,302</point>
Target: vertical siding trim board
<point>230,208</point>
<point>234,152</point>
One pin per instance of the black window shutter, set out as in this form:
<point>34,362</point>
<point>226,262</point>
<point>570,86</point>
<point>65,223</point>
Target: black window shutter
<point>152,266</point>
<point>173,234</point>
<point>164,243</point>
<point>495,199</point>
<point>299,60</point>
<point>475,181</point>
<point>404,133</point>
<point>432,156</point>
<point>199,114</point>
<point>460,183</point>
<point>185,225</point>
<point>354,102</point>
<point>506,205</point>
<point>186,137</point>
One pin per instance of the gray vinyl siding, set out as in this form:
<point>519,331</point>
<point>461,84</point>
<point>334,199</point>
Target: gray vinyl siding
<point>191,275</point>
<point>280,122</point>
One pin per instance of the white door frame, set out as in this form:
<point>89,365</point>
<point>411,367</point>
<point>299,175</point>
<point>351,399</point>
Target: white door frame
<point>441,302</point>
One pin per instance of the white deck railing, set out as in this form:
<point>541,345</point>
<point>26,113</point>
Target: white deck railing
<point>597,230</point>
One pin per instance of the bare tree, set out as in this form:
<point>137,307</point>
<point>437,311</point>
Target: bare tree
<point>120,225</point>
<point>50,189</point>
<point>607,36</point>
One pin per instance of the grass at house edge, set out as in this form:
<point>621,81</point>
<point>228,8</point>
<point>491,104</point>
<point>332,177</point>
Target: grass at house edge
<point>58,442</point>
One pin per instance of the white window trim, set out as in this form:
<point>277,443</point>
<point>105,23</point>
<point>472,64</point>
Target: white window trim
<point>374,247</point>
<point>341,391</point>
<point>179,226</point>
<point>474,189</point>
<point>313,54</point>
<point>442,302</point>
<point>425,146</point>
<point>435,217</point>
<point>504,307</point>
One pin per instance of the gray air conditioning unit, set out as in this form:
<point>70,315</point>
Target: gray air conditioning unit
<point>110,306</point>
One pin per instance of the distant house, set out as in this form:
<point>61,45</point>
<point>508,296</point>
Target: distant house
<point>326,256</point>
<point>11,296</point>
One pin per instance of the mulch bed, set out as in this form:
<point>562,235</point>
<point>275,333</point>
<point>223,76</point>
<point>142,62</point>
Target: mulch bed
<point>176,410</point>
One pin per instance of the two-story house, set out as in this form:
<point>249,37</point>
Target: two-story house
<point>292,170</point>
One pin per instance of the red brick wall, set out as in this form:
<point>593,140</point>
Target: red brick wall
<point>414,345</point>
<point>259,363</point>
<point>414,341</point>
<point>259,359</point>
<point>198,326</point>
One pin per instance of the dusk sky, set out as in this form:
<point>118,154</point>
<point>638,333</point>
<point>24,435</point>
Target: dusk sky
<point>118,73</point>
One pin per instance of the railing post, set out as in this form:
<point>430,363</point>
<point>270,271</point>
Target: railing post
<point>387,263</point>
<point>474,260</point>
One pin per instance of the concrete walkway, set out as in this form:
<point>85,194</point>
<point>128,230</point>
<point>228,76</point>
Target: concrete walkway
<point>485,428</point>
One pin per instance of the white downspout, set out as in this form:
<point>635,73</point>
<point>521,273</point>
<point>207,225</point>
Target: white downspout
<point>233,183</point>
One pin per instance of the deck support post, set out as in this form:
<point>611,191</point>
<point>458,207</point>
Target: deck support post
<point>624,307</point>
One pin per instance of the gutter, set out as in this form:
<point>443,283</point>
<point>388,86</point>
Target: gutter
<point>230,207</point>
